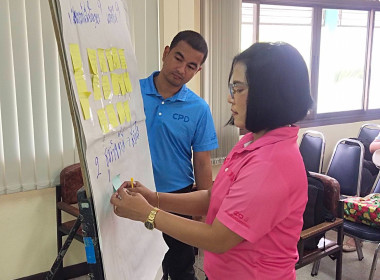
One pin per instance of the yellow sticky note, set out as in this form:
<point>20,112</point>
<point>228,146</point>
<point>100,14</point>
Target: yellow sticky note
<point>122,59</point>
<point>127,111</point>
<point>112,115</point>
<point>75,57</point>
<point>103,120</point>
<point>110,59</point>
<point>96,87</point>
<point>106,87</point>
<point>115,83</point>
<point>122,85</point>
<point>127,82</point>
<point>85,104</point>
<point>115,57</point>
<point>102,61</point>
<point>121,112</point>
<point>80,81</point>
<point>93,61</point>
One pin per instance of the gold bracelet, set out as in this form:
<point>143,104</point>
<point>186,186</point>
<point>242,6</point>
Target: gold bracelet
<point>158,200</point>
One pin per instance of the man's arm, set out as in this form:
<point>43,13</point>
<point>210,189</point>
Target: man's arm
<point>202,170</point>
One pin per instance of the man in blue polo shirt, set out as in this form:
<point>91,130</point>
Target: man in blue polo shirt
<point>180,127</point>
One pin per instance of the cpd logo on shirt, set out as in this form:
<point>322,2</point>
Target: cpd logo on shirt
<point>180,117</point>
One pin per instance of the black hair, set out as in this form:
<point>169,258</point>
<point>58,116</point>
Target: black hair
<point>278,86</point>
<point>194,39</point>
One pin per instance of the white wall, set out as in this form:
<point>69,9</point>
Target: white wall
<point>28,234</point>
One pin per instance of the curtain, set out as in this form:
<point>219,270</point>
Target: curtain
<point>220,25</point>
<point>36,134</point>
<point>144,29</point>
<point>37,139</point>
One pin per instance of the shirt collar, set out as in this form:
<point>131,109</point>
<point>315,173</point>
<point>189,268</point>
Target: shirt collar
<point>181,95</point>
<point>271,137</point>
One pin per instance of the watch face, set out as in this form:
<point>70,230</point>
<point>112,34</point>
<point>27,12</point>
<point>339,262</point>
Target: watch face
<point>149,225</point>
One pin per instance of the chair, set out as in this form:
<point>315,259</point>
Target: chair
<point>312,148</point>
<point>329,247</point>
<point>369,131</point>
<point>346,166</point>
<point>66,202</point>
<point>362,232</point>
<point>367,134</point>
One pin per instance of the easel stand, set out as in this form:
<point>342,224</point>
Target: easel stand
<point>90,240</point>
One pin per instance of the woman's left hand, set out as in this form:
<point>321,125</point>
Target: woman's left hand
<point>130,205</point>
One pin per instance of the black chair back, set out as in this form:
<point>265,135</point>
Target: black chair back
<point>346,165</point>
<point>312,148</point>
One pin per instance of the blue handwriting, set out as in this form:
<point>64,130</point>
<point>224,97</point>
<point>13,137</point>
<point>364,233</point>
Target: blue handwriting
<point>84,14</point>
<point>111,15</point>
<point>114,150</point>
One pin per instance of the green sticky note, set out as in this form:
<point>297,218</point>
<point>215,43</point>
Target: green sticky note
<point>116,183</point>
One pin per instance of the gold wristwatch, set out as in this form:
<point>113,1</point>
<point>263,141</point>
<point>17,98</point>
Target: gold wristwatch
<point>149,223</point>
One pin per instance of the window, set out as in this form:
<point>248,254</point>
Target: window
<point>342,60</point>
<point>340,43</point>
<point>374,87</point>
<point>283,23</point>
<point>248,29</point>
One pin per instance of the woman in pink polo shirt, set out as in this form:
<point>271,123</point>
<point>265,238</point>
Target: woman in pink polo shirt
<point>255,208</point>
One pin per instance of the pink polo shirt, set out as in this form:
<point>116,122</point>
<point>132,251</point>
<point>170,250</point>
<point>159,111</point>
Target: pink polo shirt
<point>260,193</point>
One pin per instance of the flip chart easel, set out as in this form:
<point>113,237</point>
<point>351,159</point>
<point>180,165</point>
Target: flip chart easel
<point>100,71</point>
<point>90,239</point>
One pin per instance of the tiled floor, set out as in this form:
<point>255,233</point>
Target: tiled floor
<point>352,268</point>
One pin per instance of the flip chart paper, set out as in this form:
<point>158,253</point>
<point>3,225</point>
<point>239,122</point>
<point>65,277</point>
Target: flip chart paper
<point>127,248</point>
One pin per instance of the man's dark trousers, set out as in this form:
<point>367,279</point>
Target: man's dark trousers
<point>178,262</point>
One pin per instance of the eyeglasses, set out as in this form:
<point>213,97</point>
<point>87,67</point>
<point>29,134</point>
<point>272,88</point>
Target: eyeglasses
<point>237,88</point>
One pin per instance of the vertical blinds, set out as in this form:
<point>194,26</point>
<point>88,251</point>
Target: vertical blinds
<point>36,134</point>
<point>37,138</point>
<point>220,24</point>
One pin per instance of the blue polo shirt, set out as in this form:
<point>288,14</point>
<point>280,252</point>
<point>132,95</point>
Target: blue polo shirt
<point>176,126</point>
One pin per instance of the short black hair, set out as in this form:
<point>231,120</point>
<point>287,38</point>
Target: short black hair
<point>278,85</point>
<point>194,39</point>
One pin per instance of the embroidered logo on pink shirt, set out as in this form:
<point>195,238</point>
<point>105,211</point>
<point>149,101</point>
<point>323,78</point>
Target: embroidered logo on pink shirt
<point>239,217</point>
